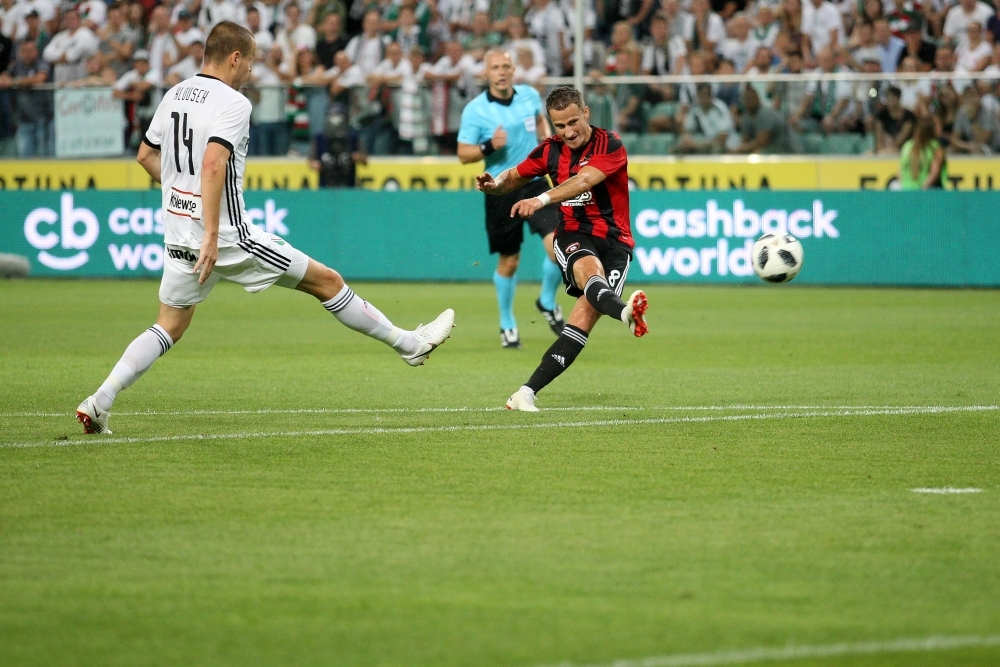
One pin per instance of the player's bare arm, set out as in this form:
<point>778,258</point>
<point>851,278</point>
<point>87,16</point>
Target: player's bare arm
<point>472,153</point>
<point>149,158</point>
<point>572,187</point>
<point>213,177</point>
<point>508,181</point>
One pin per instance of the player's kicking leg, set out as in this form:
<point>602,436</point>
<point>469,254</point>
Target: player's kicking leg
<point>153,343</point>
<point>598,299</point>
<point>355,313</point>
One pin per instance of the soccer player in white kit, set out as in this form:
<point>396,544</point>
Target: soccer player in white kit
<point>196,147</point>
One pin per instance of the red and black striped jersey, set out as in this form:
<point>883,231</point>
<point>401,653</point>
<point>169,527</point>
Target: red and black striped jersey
<point>601,211</point>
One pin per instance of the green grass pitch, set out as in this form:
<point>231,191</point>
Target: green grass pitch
<point>746,486</point>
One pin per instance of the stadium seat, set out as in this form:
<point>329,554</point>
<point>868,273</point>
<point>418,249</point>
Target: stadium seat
<point>631,142</point>
<point>865,144</point>
<point>656,144</point>
<point>811,142</point>
<point>839,144</point>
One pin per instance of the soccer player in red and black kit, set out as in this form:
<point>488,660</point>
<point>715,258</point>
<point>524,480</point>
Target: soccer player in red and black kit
<point>593,240</point>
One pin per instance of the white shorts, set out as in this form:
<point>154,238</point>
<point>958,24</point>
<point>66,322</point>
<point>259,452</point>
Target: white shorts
<point>256,263</point>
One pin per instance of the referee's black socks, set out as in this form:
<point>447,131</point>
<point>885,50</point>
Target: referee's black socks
<point>558,357</point>
<point>603,298</point>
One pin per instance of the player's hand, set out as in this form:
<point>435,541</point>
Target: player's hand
<point>207,258</point>
<point>499,138</point>
<point>485,183</point>
<point>526,208</point>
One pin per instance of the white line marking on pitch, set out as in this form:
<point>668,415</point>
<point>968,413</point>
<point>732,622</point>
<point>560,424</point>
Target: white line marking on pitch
<point>98,440</point>
<point>589,408</point>
<point>947,489</point>
<point>933,643</point>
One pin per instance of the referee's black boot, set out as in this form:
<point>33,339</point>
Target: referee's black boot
<point>509,339</point>
<point>554,317</point>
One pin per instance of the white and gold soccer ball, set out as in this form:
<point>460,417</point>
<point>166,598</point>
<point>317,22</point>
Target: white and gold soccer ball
<point>777,258</point>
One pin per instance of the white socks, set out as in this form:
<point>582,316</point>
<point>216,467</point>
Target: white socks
<point>356,313</point>
<point>139,356</point>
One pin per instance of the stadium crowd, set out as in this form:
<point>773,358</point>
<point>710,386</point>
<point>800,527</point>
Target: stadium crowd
<point>392,76</point>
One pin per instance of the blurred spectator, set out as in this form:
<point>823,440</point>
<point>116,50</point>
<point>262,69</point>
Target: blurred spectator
<point>762,129</point>
<point>336,152</point>
<point>368,49</point>
<point>96,74</point>
<point>827,105</point>
<point>482,38</point>
<point>93,14</point>
<point>766,26</point>
<point>704,30</point>
<point>677,18</point>
<point>922,163</point>
<point>135,87</point>
<point>871,11</point>
<point>661,52</point>
<point>413,111</point>
<point>321,9</point>
<point>36,31</point>
<point>6,52</point>
<point>547,23</point>
<point>635,12</point>
<point>519,40</point>
<point>69,48</point>
<point>863,44</point>
<point>451,90</point>
<point>622,41</point>
<point>975,130</point>
<point>263,38</point>
<point>501,11</point>
<point>269,133</point>
<point>894,124</point>
<point>914,95</point>
<point>410,34</point>
<point>35,135</point>
<point>189,66</point>
<point>993,29</point>
<point>331,39</point>
<point>118,41</point>
<point>295,35</point>
<point>961,15</point>
<point>214,12</point>
<point>790,18</point>
<point>821,27</point>
<point>162,48</point>
<point>708,124</point>
<point>944,106</point>
<point>973,55</point>
<point>186,33</point>
<point>12,19</point>
<point>265,16</point>
<point>763,63</point>
<point>135,15</point>
<point>918,48</point>
<point>526,70</point>
<point>629,96</point>
<point>788,96</point>
<point>902,17</point>
<point>890,47</point>
<point>740,46</point>
<point>459,13</point>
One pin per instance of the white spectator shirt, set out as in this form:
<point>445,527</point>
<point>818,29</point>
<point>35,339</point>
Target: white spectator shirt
<point>12,23</point>
<point>46,9</point>
<point>213,13</point>
<point>715,29</point>
<point>654,59</point>
<point>192,114</point>
<point>387,69</point>
<point>93,10</point>
<point>957,21</point>
<point>188,37</point>
<point>548,26</point>
<point>302,37</point>
<point>352,76</point>
<point>709,124</point>
<point>76,47</point>
<point>741,53</point>
<point>969,58</point>
<point>529,76</point>
<point>162,46</point>
<point>366,53</point>
<point>264,41</point>
<point>185,69</point>
<point>131,77</point>
<point>266,14</point>
<point>912,91</point>
<point>818,23</point>
<point>270,108</point>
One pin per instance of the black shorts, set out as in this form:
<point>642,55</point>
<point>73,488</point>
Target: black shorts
<point>506,234</point>
<point>572,246</point>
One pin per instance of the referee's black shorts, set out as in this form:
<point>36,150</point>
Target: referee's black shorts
<point>506,234</point>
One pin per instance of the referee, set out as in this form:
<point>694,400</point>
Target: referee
<point>503,125</point>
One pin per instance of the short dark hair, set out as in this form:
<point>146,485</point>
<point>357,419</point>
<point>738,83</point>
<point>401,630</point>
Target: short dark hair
<point>562,97</point>
<point>225,39</point>
<point>894,91</point>
<point>703,86</point>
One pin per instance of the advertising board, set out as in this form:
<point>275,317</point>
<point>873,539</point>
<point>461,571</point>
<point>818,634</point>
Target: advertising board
<point>89,122</point>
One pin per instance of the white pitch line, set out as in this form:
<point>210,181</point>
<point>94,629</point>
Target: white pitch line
<point>932,643</point>
<point>588,408</point>
<point>98,440</point>
<point>947,489</point>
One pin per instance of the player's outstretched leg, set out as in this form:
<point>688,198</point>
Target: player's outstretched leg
<point>602,297</point>
<point>153,343</point>
<point>546,303</point>
<point>355,313</point>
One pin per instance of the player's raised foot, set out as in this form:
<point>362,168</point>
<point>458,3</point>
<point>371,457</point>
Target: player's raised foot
<point>523,399</point>
<point>509,339</point>
<point>554,317</point>
<point>635,313</point>
<point>430,336</point>
<point>94,419</point>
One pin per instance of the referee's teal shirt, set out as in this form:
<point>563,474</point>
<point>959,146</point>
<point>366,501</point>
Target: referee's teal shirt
<point>485,113</point>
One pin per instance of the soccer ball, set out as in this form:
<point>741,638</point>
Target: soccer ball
<point>777,258</point>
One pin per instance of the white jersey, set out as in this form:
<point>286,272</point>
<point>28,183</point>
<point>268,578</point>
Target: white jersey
<point>192,114</point>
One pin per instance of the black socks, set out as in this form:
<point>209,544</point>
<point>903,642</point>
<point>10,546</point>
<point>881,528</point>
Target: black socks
<point>603,298</point>
<point>559,356</point>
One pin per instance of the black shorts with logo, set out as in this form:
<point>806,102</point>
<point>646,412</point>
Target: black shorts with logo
<point>506,234</point>
<point>572,246</point>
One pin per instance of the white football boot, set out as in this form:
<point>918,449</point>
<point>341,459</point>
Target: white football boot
<point>430,336</point>
<point>523,399</point>
<point>635,313</point>
<point>94,419</point>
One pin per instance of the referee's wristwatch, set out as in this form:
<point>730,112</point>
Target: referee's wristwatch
<point>487,148</point>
